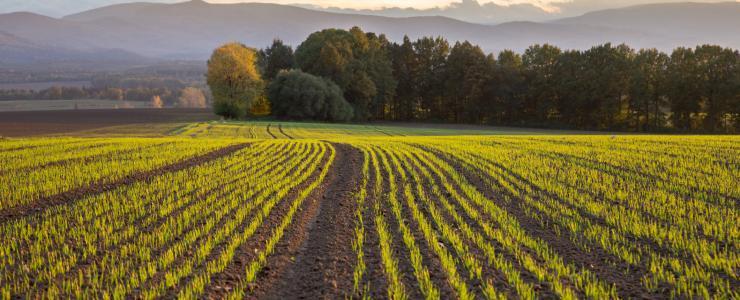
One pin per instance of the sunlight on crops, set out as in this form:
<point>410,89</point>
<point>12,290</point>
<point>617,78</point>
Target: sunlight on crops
<point>495,217</point>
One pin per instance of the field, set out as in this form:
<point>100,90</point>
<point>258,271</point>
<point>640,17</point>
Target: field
<point>37,105</point>
<point>279,210</point>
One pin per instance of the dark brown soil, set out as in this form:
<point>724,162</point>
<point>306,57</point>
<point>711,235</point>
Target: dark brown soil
<point>315,258</point>
<point>490,272</point>
<point>605,266</point>
<point>29,123</point>
<point>68,197</point>
<point>374,282</point>
<point>400,252</point>
<point>323,264</point>
<point>430,260</point>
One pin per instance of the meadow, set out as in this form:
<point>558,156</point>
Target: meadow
<point>281,209</point>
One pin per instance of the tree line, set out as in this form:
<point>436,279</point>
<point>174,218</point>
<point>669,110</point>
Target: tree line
<point>342,75</point>
<point>186,97</point>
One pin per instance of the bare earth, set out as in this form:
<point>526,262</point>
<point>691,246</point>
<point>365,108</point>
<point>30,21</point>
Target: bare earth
<point>29,123</point>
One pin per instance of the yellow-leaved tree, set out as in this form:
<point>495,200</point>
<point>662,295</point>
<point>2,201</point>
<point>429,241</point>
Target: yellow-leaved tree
<point>234,80</point>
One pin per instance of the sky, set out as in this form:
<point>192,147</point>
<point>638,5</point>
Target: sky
<point>57,8</point>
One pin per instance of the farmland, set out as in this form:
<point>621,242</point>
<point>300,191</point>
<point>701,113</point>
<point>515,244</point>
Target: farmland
<point>288,210</point>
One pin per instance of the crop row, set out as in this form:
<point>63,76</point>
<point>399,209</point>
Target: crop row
<point>528,217</point>
<point>666,207</point>
<point>163,237</point>
<point>30,172</point>
<point>300,130</point>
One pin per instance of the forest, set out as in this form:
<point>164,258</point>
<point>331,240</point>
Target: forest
<point>607,87</point>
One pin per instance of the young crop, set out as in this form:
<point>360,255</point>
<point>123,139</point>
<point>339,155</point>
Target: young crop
<point>493,217</point>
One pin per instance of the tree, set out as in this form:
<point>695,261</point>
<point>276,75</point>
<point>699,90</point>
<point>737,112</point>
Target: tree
<point>608,71</point>
<point>277,57</point>
<point>539,64</point>
<point>405,70</point>
<point>157,102</point>
<point>511,86</point>
<point>717,71</point>
<point>431,55</point>
<point>298,95</point>
<point>647,88</point>
<point>465,77</point>
<point>357,62</point>
<point>191,97</point>
<point>234,79</point>
<point>683,87</point>
<point>574,106</point>
<point>380,70</point>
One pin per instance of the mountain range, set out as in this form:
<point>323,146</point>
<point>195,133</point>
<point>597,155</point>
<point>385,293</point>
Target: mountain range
<point>191,30</point>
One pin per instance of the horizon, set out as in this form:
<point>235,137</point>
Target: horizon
<point>551,8</point>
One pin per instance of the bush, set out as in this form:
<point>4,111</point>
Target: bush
<point>298,95</point>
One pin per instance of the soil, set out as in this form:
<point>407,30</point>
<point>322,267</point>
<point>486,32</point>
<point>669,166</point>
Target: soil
<point>30,123</point>
<point>430,259</point>
<point>315,259</point>
<point>70,196</point>
<point>325,261</point>
<point>626,278</point>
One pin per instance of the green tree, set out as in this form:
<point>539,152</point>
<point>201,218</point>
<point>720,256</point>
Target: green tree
<point>608,70</point>
<point>379,68</point>
<point>276,58</point>
<point>539,64</point>
<point>647,89</point>
<point>466,75</point>
<point>683,87</point>
<point>431,56</point>
<point>405,71</point>
<point>574,105</point>
<point>357,62</point>
<point>298,95</point>
<point>717,71</point>
<point>234,80</point>
<point>511,86</point>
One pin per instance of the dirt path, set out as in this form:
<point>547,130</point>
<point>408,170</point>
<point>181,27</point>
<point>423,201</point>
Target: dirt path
<point>314,259</point>
<point>324,261</point>
<point>70,196</point>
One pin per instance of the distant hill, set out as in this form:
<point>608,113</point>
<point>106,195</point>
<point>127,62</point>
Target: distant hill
<point>16,51</point>
<point>467,10</point>
<point>191,30</point>
<point>715,23</point>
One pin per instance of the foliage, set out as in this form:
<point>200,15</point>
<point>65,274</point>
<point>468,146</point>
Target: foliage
<point>276,58</point>
<point>356,61</point>
<point>234,80</point>
<point>191,97</point>
<point>297,95</point>
<point>157,102</point>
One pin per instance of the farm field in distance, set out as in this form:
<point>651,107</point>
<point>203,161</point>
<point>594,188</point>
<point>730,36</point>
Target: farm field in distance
<point>272,210</point>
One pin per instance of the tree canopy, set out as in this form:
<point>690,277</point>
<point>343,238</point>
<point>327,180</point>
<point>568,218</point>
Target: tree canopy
<point>298,95</point>
<point>606,87</point>
<point>276,58</point>
<point>356,61</point>
<point>234,79</point>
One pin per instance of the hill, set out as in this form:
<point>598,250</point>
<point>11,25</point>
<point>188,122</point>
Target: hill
<point>190,30</point>
<point>715,23</point>
<point>15,51</point>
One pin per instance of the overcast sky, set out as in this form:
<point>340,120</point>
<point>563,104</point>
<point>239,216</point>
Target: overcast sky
<point>63,7</point>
